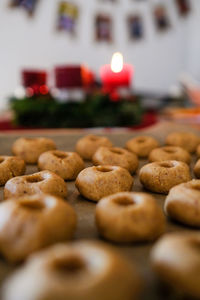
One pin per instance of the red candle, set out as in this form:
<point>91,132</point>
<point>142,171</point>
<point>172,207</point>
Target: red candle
<point>117,74</point>
<point>73,76</point>
<point>68,76</point>
<point>35,82</point>
<point>33,77</point>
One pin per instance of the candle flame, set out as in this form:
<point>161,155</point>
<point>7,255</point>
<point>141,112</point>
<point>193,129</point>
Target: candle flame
<point>117,62</point>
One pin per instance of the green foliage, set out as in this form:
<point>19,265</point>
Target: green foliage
<point>95,111</point>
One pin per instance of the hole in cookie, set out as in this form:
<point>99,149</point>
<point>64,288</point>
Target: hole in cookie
<point>196,244</point>
<point>94,138</point>
<point>104,169</point>
<point>117,151</point>
<point>141,140</point>
<point>169,150</point>
<point>32,204</point>
<point>167,165</point>
<point>60,155</point>
<point>34,178</point>
<point>69,265</point>
<point>124,201</point>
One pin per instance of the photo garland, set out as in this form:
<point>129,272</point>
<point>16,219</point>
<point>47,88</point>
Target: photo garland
<point>68,13</point>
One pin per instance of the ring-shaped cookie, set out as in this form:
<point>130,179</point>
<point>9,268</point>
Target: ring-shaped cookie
<point>76,271</point>
<point>34,222</point>
<point>95,183</point>
<point>88,145</point>
<point>170,153</point>
<point>142,145</point>
<point>65,164</point>
<point>129,217</point>
<point>160,177</point>
<point>187,140</point>
<point>176,260</point>
<point>182,203</point>
<point>29,149</point>
<point>116,156</point>
<point>37,183</point>
<point>11,166</point>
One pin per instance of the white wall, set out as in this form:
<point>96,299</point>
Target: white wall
<point>26,42</point>
<point>193,48</point>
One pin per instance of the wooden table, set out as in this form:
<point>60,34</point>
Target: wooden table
<point>139,253</point>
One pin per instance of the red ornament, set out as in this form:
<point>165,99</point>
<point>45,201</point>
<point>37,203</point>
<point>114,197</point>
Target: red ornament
<point>114,96</point>
<point>44,90</point>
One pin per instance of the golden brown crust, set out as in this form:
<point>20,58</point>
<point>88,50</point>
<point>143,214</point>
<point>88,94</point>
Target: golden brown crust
<point>76,271</point>
<point>129,217</point>
<point>116,157</point>
<point>11,166</point>
<point>88,145</point>
<point>183,205</point>
<point>37,183</point>
<point>175,258</point>
<point>30,223</point>
<point>198,151</point>
<point>160,177</point>
<point>142,145</point>
<point>170,153</point>
<point>29,149</point>
<point>65,164</point>
<point>187,140</point>
<point>95,183</point>
<point>197,169</point>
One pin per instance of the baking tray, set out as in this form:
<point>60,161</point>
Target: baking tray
<point>137,253</point>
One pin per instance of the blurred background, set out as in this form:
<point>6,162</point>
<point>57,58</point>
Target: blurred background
<point>55,59</point>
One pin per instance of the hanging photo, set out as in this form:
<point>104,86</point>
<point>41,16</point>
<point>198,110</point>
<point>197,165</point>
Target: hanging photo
<point>103,28</point>
<point>112,1</point>
<point>183,7</point>
<point>28,5</point>
<point>135,27</point>
<point>67,17</point>
<point>161,18</point>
